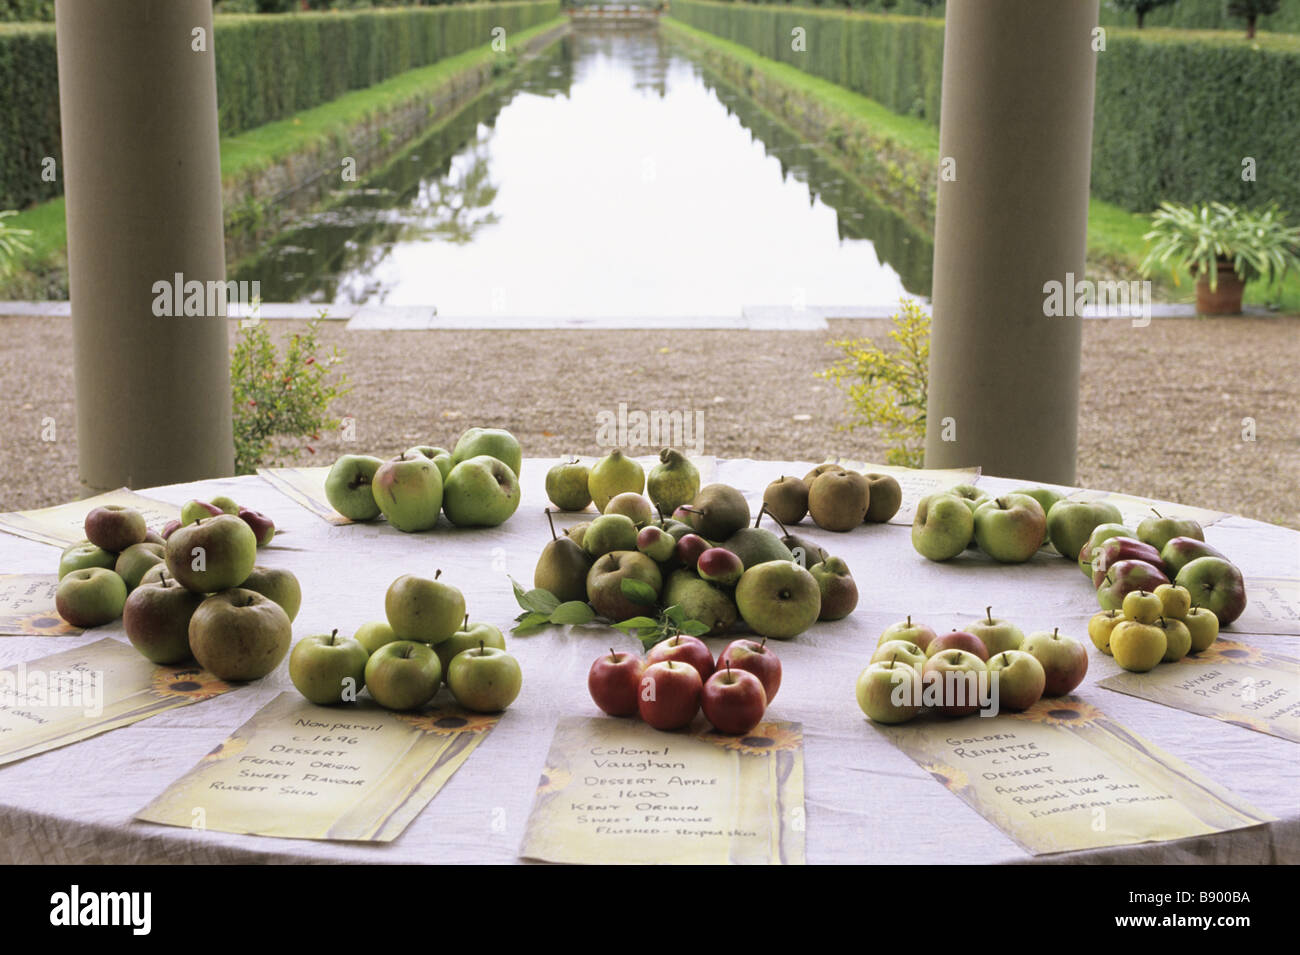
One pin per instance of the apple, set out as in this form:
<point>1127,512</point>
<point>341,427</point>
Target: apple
<point>1178,639</point>
<point>683,648</point>
<point>670,694</point>
<point>957,675</point>
<point>480,491</point>
<point>238,634</point>
<point>1175,601</point>
<point>115,527</point>
<point>348,486</point>
<point>610,532</point>
<point>614,682</point>
<point>374,635</point>
<point>1010,528</point>
<point>1102,625</point>
<point>996,635</point>
<point>757,659</point>
<point>605,584</point>
<point>1203,626</point>
<point>718,565</point>
<point>1045,497</point>
<point>262,526</point>
<point>1064,660</point>
<point>778,599</point>
<point>328,669</point>
<point>153,537</point>
<point>970,495</point>
<point>1137,646</point>
<point>917,633</point>
<point>212,554</point>
<point>1215,584</point>
<point>566,485</point>
<point>156,618</point>
<point>689,549</point>
<point>890,692</point>
<point>839,591</point>
<point>958,640</point>
<point>225,504</point>
<point>1142,606</point>
<point>135,561</point>
<point>484,679</point>
<point>1071,523</point>
<point>656,543</point>
<point>1111,552</point>
<point>423,610</point>
<point>155,575</point>
<point>943,526</point>
<point>1017,680</point>
<point>1100,534</point>
<point>469,636</point>
<point>280,585</point>
<point>632,506</point>
<point>409,492</point>
<point>168,528</point>
<point>884,497</point>
<point>1181,551</point>
<point>403,675</point>
<point>1159,530</point>
<point>488,442</point>
<point>1123,578</point>
<point>902,651</point>
<point>84,556</point>
<point>733,701</point>
<point>196,510</point>
<point>90,597</point>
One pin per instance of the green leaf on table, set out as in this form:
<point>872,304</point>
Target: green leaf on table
<point>536,600</point>
<point>531,623</point>
<point>573,612</point>
<point>636,623</point>
<point>638,591</point>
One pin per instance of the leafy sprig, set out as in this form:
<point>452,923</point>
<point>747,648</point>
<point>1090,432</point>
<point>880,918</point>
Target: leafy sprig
<point>543,609</point>
<point>665,625</point>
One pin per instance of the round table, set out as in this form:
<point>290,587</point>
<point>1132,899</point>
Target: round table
<point>866,801</point>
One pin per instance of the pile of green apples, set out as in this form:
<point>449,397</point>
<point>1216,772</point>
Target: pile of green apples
<point>425,641</point>
<point>914,669</point>
<point>476,484</point>
<point>96,574</point>
<point>1009,528</point>
<point>836,498</point>
<point>1154,627</point>
<point>706,559</point>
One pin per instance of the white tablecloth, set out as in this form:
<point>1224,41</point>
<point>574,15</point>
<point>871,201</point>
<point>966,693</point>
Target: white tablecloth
<point>866,801</point>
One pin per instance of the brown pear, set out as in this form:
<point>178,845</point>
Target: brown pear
<point>786,499</point>
<point>838,500</point>
<point>562,567</point>
<point>718,512</point>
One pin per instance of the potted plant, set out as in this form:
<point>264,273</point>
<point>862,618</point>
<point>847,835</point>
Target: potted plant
<point>1224,247</point>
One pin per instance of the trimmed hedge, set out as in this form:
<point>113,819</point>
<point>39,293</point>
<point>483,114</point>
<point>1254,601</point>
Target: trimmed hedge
<point>268,67</point>
<point>1176,113</point>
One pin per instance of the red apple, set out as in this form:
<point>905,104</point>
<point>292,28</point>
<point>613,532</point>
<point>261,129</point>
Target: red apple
<point>263,527</point>
<point>614,682</point>
<point>669,696</point>
<point>684,649</point>
<point>958,640</point>
<point>1112,551</point>
<point>757,659</point>
<point>733,701</point>
<point>689,549</point>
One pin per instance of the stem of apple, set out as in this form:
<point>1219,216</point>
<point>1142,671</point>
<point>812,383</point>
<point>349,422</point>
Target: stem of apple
<point>1157,513</point>
<point>988,612</point>
<point>464,624</point>
<point>437,573</point>
<point>480,648</point>
<point>550,520</point>
<point>613,657</point>
<point>1056,632</point>
<point>333,634</point>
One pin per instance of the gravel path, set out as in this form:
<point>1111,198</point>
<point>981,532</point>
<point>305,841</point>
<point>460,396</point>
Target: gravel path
<point>1161,407</point>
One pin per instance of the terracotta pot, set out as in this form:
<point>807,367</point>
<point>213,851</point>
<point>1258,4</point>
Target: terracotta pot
<point>1224,300</point>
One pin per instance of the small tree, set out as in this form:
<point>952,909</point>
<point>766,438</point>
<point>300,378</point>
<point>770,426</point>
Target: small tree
<point>1251,11</point>
<point>1139,7</point>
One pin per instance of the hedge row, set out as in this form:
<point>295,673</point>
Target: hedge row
<point>267,68</point>
<point>1175,115</point>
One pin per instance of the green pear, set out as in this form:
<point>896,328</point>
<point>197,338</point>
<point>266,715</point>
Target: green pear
<point>701,600</point>
<point>672,482</point>
<point>718,512</point>
<point>612,475</point>
<point>756,545</point>
<point>562,567</point>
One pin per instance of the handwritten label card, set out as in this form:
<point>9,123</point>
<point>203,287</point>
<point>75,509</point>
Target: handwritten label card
<point>619,791</point>
<point>70,696</point>
<point>307,487</point>
<point>1232,682</point>
<point>64,524</point>
<point>1062,777</point>
<point>27,607</point>
<point>300,771</point>
<point>1272,606</point>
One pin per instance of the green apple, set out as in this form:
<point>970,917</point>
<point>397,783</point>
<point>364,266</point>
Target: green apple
<point>972,496</point>
<point>1216,585</point>
<point>1178,639</point>
<point>403,675</point>
<point>608,533</point>
<point>943,526</point>
<point>1045,497</point>
<point>605,584</point>
<point>633,506</point>
<point>492,442</point>
<point>1159,530</point>
<point>566,485</point>
<point>902,651</point>
<point>1010,528</point>
<point>890,692</point>
<point>327,668</point>
<point>1175,601</point>
<point>83,556</point>
<point>917,633</point>
<point>225,504</point>
<point>409,492</point>
<point>481,491</point>
<point>90,597</point>
<point>839,591</point>
<point>212,554</point>
<point>1101,626</point>
<point>422,610</point>
<point>1203,626</point>
<point>374,635</point>
<point>1070,524</point>
<point>196,510</point>
<point>470,635</point>
<point>484,679</point>
<point>280,585</point>
<point>1018,679</point>
<point>156,618</point>
<point>997,636</point>
<point>135,561</point>
<point>1141,606</point>
<point>778,599</point>
<point>348,486</point>
<point>238,634</point>
<point>1137,646</point>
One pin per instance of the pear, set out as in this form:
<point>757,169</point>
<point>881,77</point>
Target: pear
<point>612,475</point>
<point>674,481</point>
<point>577,532</point>
<point>562,567</point>
<point>676,528</point>
<point>757,545</point>
<point>786,499</point>
<point>803,551</point>
<point>566,485</point>
<point>701,601</point>
<point>838,500</point>
<point>839,591</point>
<point>718,512</point>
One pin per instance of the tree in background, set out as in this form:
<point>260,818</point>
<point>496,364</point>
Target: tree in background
<point>1140,7</point>
<point>1251,11</point>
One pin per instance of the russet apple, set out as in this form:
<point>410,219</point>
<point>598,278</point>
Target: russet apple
<point>838,589</point>
<point>327,668</point>
<point>239,635</point>
<point>115,527</point>
<point>156,618</point>
<point>403,675</point>
<point>212,554</point>
<point>884,499</point>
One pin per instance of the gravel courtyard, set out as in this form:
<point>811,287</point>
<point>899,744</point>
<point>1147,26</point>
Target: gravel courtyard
<point>1161,407</point>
